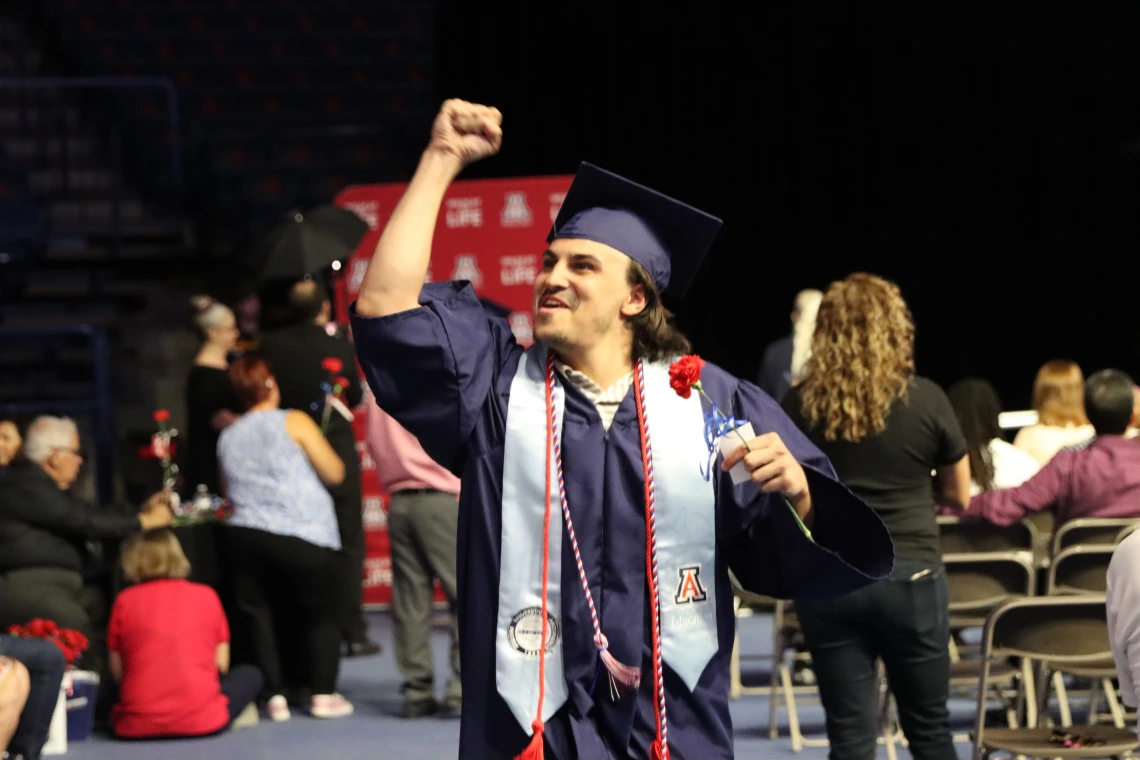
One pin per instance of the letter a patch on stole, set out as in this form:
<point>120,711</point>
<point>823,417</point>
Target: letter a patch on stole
<point>689,588</point>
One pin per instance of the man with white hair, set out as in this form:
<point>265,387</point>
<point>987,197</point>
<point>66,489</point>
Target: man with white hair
<point>785,358</point>
<point>43,527</point>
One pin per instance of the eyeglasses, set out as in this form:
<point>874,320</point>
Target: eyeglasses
<point>69,450</point>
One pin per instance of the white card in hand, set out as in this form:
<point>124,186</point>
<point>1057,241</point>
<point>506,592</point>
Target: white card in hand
<point>730,443</point>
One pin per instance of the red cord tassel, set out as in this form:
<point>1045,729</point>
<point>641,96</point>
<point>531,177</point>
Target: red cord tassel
<point>534,750</point>
<point>655,752</point>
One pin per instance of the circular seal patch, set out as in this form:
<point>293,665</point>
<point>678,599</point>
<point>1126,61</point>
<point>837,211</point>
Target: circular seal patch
<point>525,631</point>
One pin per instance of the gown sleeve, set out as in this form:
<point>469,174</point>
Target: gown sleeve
<point>432,368</point>
<point>767,547</point>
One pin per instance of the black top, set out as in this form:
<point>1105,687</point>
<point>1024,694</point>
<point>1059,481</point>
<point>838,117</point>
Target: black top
<point>295,354</point>
<point>42,526</point>
<point>775,376</point>
<point>208,392</point>
<point>891,471</point>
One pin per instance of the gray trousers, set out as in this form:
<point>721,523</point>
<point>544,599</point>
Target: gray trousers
<point>422,529</point>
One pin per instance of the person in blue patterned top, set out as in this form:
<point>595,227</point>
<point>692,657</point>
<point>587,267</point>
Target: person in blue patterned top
<point>283,539</point>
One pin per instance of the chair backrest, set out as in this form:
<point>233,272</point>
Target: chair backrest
<point>1080,570</point>
<point>1064,629</point>
<point>1089,530</point>
<point>1126,531</point>
<point>978,582</point>
<point>958,536</point>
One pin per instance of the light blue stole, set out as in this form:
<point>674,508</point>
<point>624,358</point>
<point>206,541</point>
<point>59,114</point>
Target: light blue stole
<point>685,512</point>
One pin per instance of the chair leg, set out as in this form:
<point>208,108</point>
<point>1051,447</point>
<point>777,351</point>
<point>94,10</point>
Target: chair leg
<point>1062,700</point>
<point>734,669</point>
<point>1030,694</point>
<point>1113,703</point>
<point>774,693</point>
<point>1010,709</point>
<point>790,706</point>
<point>1094,703</point>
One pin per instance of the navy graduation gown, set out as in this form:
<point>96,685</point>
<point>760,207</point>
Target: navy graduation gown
<point>445,372</point>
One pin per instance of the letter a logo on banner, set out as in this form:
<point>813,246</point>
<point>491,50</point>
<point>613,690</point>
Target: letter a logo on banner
<point>689,588</point>
<point>515,212</point>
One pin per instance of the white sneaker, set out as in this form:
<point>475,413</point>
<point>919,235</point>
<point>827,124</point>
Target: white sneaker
<point>330,706</point>
<point>247,718</point>
<point>278,709</point>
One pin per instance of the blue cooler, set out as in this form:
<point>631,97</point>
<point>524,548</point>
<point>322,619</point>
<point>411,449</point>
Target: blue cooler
<point>81,705</point>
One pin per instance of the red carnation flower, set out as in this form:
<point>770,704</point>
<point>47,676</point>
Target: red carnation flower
<point>341,381</point>
<point>162,416</point>
<point>685,374</point>
<point>333,364</point>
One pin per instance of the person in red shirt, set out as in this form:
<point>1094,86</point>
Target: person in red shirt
<point>169,647</point>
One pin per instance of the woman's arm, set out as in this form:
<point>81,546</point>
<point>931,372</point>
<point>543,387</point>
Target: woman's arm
<point>222,657</point>
<point>116,663</point>
<point>954,484</point>
<point>302,429</point>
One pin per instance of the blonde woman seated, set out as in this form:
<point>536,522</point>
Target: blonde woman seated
<point>169,643</point>
<point>1058,398</point>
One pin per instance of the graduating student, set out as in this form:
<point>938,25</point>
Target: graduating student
<point>595,525</point>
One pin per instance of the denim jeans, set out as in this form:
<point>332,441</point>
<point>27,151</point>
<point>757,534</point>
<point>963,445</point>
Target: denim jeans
<point>904,621</point>
<point>45,665</point>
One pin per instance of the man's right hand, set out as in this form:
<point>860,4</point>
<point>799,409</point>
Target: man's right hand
<point>466,132</point>
<point>156,512</point>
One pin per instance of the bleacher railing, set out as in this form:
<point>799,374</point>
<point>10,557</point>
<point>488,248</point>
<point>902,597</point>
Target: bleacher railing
<point>94,412</point>
<point>136,124</point>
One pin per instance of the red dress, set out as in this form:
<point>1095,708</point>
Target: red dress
<point>167,633</point>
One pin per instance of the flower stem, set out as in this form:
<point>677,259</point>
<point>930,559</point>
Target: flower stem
<point>705,396</point>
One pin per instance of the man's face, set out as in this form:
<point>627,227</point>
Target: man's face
<point>581,294</point>
<point>64,462</point>
<point>9,441</point>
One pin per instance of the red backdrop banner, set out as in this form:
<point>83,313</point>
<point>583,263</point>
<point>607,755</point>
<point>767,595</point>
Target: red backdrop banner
<point>491,233</point>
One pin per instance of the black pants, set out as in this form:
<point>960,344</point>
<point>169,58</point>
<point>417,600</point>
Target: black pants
<point>281,591</point>
<point>349,519</point>
<point>45,665</point>
<point>903,621</point>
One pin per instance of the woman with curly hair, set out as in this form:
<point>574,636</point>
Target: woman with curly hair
<point>885,430</point>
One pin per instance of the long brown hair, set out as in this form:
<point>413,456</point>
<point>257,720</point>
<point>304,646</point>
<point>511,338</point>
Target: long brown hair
<point>655,336</point>
<point>862,358</point>
<point>1059,394</point>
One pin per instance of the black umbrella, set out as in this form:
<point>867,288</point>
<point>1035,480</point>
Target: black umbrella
<point>309,242</point>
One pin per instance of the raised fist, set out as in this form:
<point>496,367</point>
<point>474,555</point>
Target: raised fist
<point>467,131</point>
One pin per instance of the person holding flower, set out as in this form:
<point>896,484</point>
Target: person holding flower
<point>599,518</point>
<point>309,354</point>
<point>42,530</point>
<point>169,644</point>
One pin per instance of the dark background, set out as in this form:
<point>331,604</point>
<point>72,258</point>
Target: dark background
<point>978,157</point>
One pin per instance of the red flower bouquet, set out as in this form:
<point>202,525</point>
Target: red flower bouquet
<point>71,642</point>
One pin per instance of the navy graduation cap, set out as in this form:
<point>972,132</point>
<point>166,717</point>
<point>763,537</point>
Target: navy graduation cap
<point>667,237</point>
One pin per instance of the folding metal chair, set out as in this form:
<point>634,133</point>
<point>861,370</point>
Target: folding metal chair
<point>1082,570</point>
<point>1069,630</point>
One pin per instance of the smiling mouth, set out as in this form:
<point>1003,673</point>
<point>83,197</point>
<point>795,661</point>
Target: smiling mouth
<point>549,304</point>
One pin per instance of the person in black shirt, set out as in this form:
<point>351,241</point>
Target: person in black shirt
<point>884,430</point>
<point>296,350</point>
<point>210,406</point>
